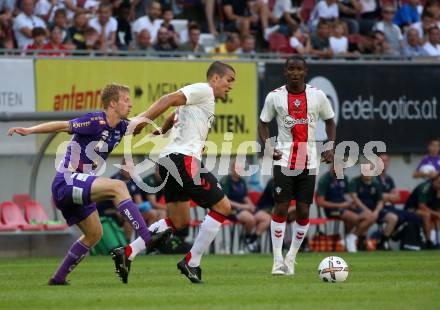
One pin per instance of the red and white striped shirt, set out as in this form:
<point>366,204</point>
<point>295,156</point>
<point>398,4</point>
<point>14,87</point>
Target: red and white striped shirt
<point>297,116</point>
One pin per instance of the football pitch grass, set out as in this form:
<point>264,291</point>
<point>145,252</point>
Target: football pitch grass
<point>379,280</point>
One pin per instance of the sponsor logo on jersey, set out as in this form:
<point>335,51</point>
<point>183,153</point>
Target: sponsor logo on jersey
<point>79,125</point>
<point>289,121</point>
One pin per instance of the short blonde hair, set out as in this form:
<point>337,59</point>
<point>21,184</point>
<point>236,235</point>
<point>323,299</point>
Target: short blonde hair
<point>111,92</point>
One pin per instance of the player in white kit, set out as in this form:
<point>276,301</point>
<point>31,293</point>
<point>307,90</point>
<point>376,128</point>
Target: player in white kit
<point>182,170</point>
<point>296,107</point>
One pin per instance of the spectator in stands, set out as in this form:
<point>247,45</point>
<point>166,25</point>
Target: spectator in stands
<point>238,16</point>
<point>393,34</point>
<point>370,13</point>
<point>91,37</point>
<point>123,33</point>
<point>299,42</point>
<point>432,46</point>
<point>75,34</point>
<point>332,196</point>
<point>138,8</point>
<point>230,48</point>
<point>25,22</point>
<point>45,9</point>
<point>425,202</point>
<point>285,13</point>
<point>7,8</point>
<point>184,34</point>
<point>378,45</point>
<point>407,14</point>
<point>412,47</point>
<point>320,44</point>
<point>338,40</point>
<point>167,18</point>
<point>209,13</point>
<point>432,6</point>
<point>243,209</point>
<point>153,181</point>
<point>106,26</point>
<point>390,197</point>
<point>367,196</point>
<point>60,20</point>
<point>324,10</point>
<point>143,42</point>
<point>39,36</point>
<point>164,42</point>
<point>150,22</point>
<point>260,9</point>
<point>193,44</point>
<point>423,26</point>
<point>348,12</point>
<point>248,46</point>
<point>55,43</point>
<point>429,166</point>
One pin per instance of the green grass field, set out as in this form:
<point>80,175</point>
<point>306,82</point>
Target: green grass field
<point>396,280</point>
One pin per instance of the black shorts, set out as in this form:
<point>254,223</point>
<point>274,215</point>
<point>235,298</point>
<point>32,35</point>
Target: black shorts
<point>192,181</point>
<point>289,186</point>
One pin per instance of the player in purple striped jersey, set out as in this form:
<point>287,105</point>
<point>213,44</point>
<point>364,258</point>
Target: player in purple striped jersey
<point>76,188</point>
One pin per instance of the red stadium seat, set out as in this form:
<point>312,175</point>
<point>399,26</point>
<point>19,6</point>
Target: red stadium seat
<point>20,199</point>
<point>6,227</point>
<point>279,43</point>
<point>33,211</point>
<point>12,216</point>
<point>255,197</point>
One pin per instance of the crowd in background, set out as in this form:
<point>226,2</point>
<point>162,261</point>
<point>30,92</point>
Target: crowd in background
<point>324,29</point>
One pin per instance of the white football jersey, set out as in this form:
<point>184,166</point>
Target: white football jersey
<point>297,116</point>
<point>192,121</point>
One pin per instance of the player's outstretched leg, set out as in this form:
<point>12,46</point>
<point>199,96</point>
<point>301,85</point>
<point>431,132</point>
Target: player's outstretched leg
<point>299,232</point>
<point>190,265</point>
<point>160,230</point>
<point>92,229</point>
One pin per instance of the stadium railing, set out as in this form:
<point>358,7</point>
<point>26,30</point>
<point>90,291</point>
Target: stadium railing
<point>199,55</point>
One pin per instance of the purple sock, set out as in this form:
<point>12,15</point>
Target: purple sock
<point>76,253</point>
<point>131,212</point>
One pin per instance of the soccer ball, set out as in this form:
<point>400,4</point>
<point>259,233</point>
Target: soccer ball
<point>333,269</point>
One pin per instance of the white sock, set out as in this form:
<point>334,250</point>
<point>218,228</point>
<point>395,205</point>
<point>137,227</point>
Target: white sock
<point>299,232</point>
<point>138,245</point>
<point>135,248</point>
<point>277,229</point>
<point>208,230</point>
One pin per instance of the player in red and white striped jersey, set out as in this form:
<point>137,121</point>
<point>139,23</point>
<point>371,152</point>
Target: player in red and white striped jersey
<point>296,107</point>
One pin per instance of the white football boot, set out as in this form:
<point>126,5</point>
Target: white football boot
<point>289,265</point>
<point>278,267</point>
